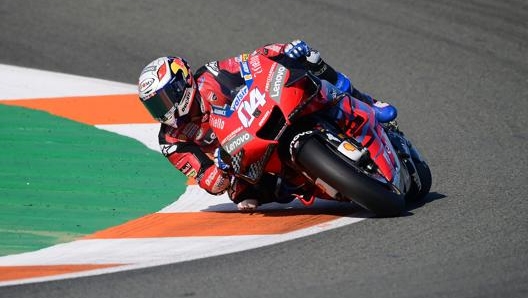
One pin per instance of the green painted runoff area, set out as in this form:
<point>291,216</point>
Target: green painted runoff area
<point>60,180</point>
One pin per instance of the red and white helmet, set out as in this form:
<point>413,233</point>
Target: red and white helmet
<point>167,89</point>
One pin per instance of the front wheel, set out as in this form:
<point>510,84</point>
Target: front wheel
<point>424,175</point>
<point>323,162</point>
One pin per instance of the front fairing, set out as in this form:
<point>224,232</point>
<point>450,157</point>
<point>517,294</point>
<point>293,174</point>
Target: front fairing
<point>250,127</point>
<point>366,130</point>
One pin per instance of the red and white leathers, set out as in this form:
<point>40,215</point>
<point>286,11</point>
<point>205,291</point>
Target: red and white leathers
<point>190,146</point>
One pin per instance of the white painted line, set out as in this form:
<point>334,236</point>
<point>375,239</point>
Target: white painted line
<point>145,133</point>
<point>143,253</point>
<point>24,83</point>
<point>195,199</point>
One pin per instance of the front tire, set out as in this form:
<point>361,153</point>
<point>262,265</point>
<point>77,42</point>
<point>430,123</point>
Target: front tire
<point>323,162</point>
<point>424,174</point>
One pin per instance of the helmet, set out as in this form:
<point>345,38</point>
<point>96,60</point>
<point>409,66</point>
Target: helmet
<point>167,89</point>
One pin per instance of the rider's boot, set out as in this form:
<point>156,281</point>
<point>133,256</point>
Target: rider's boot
<point>385,112</point>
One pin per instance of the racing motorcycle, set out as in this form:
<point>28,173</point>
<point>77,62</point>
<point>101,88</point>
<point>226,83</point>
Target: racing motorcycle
<point>285,122</point>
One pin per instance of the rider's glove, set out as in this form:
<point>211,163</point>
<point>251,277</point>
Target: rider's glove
<point>219,162</point>
<point>296,49</point>
<point>299,48</point>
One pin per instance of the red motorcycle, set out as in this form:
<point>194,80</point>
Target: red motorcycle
<point>285,122</point>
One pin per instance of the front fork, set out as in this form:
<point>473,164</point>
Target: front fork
<point>406,153</point>
<point>389,149</point>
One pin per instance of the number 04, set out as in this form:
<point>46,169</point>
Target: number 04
<point>247,108</point>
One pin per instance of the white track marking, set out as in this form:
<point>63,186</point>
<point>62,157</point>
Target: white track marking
<point>145,133</point>
<point>25,83</point>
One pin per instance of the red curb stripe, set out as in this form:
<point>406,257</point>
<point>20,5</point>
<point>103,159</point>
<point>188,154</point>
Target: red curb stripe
<point>217,224</point>
<point>103,109</point>
<point>8,273</point>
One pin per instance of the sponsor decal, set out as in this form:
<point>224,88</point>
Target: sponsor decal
<point>245,68</point>
<point>202,108</point>
<point>213,68</point>
<point>145,84</point>
<point>149,68</point>
<point>245,72</point>
<point>215,182</point>
<point>323,69</point>
<point>210,137</point>
<point>254,61</point>
<point>217,123</point>
<point>294,144</point>
<point>350,151</point>
<point>220,185</point>
<point>277,83</point>
<point>192,174</point>
<point>190,130</point>
<point>268,112</point>
<point>211,177</point>
<point>238,98</point>
<point>349,147</point>
<point>168,149</point>
<point>270,76</point>
<point>221,111</point>
<point>150,95</point>
<point>184,106</point>
<point>237,142</point>
<point>188,170</point>
<point>232,134</point>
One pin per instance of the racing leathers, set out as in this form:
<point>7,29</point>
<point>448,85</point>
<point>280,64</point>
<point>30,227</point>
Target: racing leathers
<point>190,146</point>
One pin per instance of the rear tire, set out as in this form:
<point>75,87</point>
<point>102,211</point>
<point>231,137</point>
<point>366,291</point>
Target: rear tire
<point>321,161</point>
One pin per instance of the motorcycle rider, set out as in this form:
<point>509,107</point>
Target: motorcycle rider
<point>181,101</point>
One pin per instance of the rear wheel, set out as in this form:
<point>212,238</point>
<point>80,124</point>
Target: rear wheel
<point>323,162</point>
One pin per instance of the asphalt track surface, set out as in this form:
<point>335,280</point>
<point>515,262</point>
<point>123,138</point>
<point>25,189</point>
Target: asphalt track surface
<point>457,70</point>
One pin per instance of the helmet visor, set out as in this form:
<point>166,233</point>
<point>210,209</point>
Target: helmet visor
<point>162,105</point>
